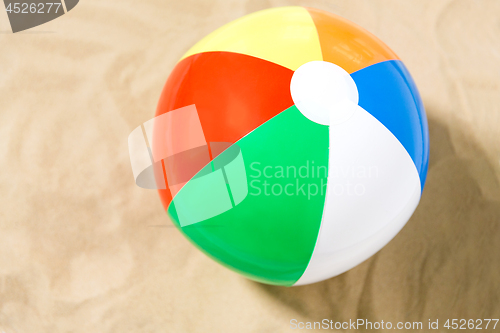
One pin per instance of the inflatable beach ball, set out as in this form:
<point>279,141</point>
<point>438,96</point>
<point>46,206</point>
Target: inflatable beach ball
<point>290,145</point>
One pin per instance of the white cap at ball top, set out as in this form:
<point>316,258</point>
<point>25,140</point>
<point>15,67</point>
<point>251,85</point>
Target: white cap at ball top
<point>324,92</point>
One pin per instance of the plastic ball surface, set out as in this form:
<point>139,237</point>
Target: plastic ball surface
<point>293,145</point>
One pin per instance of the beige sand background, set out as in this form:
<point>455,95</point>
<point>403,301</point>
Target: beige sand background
<point>80,245</point>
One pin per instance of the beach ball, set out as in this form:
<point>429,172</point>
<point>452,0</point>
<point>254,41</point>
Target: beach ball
<point>291,145</point>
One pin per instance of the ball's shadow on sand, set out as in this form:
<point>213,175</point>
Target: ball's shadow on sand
<point>443,264</point>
